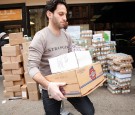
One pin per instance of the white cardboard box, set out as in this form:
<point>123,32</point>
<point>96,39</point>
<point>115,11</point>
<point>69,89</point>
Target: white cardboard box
<point>63,62</point>
<point>70,61</point>
<point>83,58</point>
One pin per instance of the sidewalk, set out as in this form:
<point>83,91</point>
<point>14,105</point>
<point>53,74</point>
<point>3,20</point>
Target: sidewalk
<point>105,103</point>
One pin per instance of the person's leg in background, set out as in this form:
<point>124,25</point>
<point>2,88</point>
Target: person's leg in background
<point>83,105</point>
<point>51,106</point>
<point>63,111</point>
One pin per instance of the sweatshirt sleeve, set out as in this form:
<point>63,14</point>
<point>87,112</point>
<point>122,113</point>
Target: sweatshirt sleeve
<point>36,50</point>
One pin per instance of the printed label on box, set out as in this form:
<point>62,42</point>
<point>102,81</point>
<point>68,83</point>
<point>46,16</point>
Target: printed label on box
<point>24,94</point>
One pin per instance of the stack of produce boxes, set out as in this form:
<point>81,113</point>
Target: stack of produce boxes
<point>12,66</point>
<point>86,36</point>
<point>31,85</point>
<point>101,50</point>
<point>107,48</point>
<point>119,78</point>
<point>84,42</point>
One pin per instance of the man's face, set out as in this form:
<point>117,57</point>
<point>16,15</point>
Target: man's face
<point>59,16</point>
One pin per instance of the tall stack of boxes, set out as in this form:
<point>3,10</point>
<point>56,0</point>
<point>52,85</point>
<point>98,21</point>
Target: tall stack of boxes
<point>102,48</point>
<point>31,85</point>
<point>107,48</point>
<point>119,78</point>
<point>100,53</point>
<point>13,71</point>
<point>17,81</point>
<point>24,53</point>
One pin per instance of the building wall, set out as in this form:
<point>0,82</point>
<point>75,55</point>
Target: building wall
<point>42,2</point>
<point>11,1</point>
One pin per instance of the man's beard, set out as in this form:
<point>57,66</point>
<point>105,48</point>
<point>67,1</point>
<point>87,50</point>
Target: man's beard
<point>56,23</point>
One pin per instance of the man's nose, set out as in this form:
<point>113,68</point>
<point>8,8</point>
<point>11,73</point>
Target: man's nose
<point>65,18</point>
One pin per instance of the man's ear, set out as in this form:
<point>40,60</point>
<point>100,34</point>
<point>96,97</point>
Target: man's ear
<point>49,14</point>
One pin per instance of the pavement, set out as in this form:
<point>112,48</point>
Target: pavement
<point>105,103</point>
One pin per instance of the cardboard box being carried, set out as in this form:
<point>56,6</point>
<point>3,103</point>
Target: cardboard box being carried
<point>81,81</point>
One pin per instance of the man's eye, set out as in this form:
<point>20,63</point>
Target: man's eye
<point>61,14</point>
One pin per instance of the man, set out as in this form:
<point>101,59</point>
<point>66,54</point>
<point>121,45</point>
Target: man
<point>47,43</point>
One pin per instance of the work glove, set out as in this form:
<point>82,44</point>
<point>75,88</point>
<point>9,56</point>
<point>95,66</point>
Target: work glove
<point>56,91</point>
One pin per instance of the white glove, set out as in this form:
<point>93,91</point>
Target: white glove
<point>54,90</point>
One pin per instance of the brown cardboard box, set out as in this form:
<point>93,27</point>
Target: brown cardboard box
<point>8,83</point>
<point>18,71</point>
<point>32,86</point>
<point>34,95</point>
<point>20,82</point>
<point>81,81</point>
<point>5,59</point>
<point>13,77</point>
<point>18,58</point>
<point>25,61</point>
<point>28,78</point>
<point>15,35</point>
<point>13,65</point>
<point>69,77</point>
<point>18,94</point>
<point>16,38</point>
<point>8,50</point>
<point>12,83</point>
<point>6,72</point>
<point>24,92</point>
<point>26,46</point>
<point>8,94</point>
<point>14,88</point>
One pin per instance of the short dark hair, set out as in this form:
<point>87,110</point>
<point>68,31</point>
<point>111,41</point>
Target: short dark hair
<point>51,5</point>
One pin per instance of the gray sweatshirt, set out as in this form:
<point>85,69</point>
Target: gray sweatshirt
<point>46,45</point>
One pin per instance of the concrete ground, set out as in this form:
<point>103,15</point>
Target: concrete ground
<point>105,103</point>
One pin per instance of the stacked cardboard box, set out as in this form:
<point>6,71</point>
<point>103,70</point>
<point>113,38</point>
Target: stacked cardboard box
<point>16,39</point>
<point>86,35</point>
<point>119,78</point>
<point>31,85</point>
<point>106,35</point>
<point>84,42</point>
<point>12,70</point>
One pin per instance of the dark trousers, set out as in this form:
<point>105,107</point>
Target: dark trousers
<point>81,104</point>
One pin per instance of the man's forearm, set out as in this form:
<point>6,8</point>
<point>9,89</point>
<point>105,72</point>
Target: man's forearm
<point>52,87</point>
<point>41,80</point>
